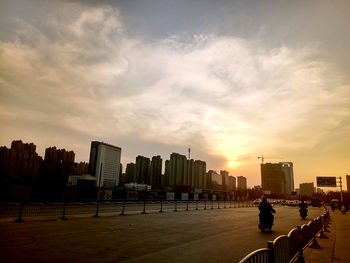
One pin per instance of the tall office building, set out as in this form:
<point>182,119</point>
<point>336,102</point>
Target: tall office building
<point>287,168</point>
<point>143,170</point>
<point>241,183</point>
<point>156,172</point>
<point>105,164</point>
<point>277,178</point>
<point>348,182</point>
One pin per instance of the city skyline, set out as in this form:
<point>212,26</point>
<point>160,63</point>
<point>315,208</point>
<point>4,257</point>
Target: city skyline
<point>230,80</point>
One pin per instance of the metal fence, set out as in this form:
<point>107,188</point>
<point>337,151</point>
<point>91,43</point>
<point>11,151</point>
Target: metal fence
<point>289,248</point>
<point>116,207</point>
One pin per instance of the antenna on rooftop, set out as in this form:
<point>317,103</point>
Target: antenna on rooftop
<point>189,153</point>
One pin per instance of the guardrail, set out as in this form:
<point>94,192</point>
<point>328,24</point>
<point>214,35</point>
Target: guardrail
<point>121,207</point>
<point>289,248</point>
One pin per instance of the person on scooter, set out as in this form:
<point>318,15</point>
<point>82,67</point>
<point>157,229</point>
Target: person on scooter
<point>303,209</point>
<point>265,215</point>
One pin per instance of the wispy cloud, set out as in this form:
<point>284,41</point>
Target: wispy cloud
<point>223,95</point>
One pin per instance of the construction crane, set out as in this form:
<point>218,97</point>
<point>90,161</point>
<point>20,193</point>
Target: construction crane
<point>262,158</point>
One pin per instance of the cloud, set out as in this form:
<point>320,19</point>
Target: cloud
<point>222,95</point>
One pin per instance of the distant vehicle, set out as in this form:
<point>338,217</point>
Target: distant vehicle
<point>283,202</point>
<point>292,202</point>
<point>257,201</point>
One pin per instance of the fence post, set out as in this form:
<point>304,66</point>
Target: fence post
<point>144,207</point>
<point>197,205</point>
<point>230,203</point>
<point>187,205</point>
<point>161,206</point>
<point>205,204</point>
<point>270,246</point>
<point>224,204</point>
<point>19,219</point>
<point>175,209</point>
<point>123,209</point>
<point>301,256</point>
<point>97,209</point>
<point>322,235</point>
<point>63,217</point>
<point>218,204</point>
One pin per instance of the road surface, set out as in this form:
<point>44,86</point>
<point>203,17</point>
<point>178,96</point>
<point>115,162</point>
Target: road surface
<point>213,235</point>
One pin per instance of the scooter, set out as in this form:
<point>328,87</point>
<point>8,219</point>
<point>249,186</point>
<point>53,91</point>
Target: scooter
<point>266,221</point>
<point>303,213</point>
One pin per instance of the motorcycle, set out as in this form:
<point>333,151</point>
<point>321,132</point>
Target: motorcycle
<point>303,213</point>
<point>266,221</point>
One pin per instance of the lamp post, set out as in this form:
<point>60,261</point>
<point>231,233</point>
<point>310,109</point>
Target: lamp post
<point>98,192</point>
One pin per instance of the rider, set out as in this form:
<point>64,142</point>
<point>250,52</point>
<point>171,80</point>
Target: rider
<point>303,206</point>
<point>266,211</point>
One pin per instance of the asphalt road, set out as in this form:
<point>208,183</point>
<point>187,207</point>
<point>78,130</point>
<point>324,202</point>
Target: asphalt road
<point>218,235</point>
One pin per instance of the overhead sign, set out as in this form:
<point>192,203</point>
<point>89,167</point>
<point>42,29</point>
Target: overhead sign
<point>326,181</point>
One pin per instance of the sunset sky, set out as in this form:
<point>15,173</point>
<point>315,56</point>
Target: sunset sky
<point>230,79</point>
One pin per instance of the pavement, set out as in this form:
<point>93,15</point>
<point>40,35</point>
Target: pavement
<point>335,247</point>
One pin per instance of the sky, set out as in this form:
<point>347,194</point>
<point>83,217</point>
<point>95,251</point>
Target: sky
<point>232,80</point>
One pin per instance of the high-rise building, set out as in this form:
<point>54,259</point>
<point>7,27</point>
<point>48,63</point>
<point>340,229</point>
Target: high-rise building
<point>348,182</point>
<point>214,180</point>
<point>307,189</point>
<point>177,169</point>
<point>130,173</point>
<point>143,170</point>
<point>156,172</point>
<point>199,173</point>
<point>241,183</point>
<point>287,168</point>
<point>105,164</point>
<point>225,182</point>
<point>20,161</point>
<point>277,178</point>
<point>180,171</point>
<point>58,165</point>
<point>231,183</point>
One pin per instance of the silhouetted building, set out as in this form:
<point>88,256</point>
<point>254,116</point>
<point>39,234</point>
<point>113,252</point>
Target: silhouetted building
<point>277,178</point>
<point>200,172</point>
<point>225,182</point>
<point>80,168</point>
<point>143,170</point>
<point>215,179</point>
<point>104,164</point>
<point>348,182</point>
<point>20,163</point>
<point>130,173</point>
<point>241,183</point>
<point>287,168</point>
<point>156,172</point>
<point>182,172</point>
<point>231,183</point>
<point>307,189</point>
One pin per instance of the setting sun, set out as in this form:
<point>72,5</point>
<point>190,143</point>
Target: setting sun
<point>231,163</point>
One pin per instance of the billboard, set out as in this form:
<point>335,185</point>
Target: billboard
<point>326,181</point>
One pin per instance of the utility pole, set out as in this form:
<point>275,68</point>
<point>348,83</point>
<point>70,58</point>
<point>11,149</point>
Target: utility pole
<point>341,190</point>
<point>262,158</point>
